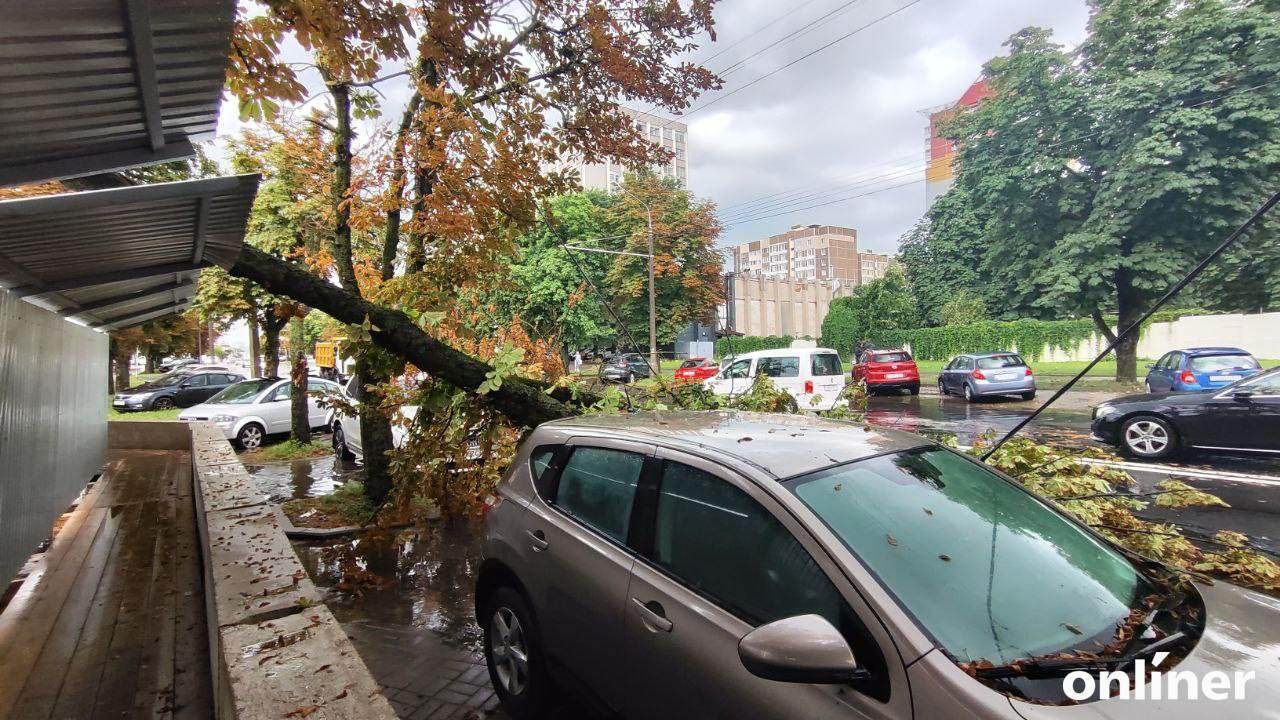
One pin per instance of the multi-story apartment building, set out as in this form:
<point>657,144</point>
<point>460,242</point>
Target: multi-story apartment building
<point>670,134</point>
<point>939,175</point>
<point>812,252</point>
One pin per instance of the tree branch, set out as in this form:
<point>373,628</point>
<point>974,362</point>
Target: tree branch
<point>1101,323</point>
<point>523,402</point>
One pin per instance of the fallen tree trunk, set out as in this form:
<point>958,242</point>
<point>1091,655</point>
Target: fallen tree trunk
<point>524,403</point>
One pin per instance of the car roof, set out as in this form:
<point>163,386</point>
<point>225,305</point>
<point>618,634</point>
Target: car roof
<point>1213,351</point>
<point>781,445</point>
<point>779,352</point>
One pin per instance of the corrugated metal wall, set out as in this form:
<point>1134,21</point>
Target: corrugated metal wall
<point>53,422</point>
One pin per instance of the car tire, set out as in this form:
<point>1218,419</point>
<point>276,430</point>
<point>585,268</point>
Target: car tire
<point>792,406</point>
<point>1029,395</point>
<point>1148,437</point>
<point>340,449</point>
<point>631,378</point>
<point>968,393</point>
<point>942,388</point>
<point>251,436</point>
<point>523,688</point>
<point>162,403</point>
<point>914,389</point>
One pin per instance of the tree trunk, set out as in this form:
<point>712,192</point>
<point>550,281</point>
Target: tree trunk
<point>153,362</point>
<point>120,358</point>
<point>111,367</point>
<point>341,186</point>
<point>271,349</point>
<point>524,403</point>
<point>301,422</point>
<point>255,351</point>
<point>1129,309</point>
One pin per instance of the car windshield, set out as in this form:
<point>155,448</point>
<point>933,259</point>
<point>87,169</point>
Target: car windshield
<point>995,362</point>
<point>987,569</point>
<point>890,357</point>
<point>1213,363</point>
<point>242,393</point>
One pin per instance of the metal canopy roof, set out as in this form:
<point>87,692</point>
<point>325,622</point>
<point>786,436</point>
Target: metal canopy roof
<point>89,86</point>
<point>121,257</point>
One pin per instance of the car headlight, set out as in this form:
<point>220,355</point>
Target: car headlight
<point>224,418</point>
<point>1103,411</point>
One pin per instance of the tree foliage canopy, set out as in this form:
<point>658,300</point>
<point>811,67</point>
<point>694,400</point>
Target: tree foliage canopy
<point>1095,178</point>
<point>881,306</point>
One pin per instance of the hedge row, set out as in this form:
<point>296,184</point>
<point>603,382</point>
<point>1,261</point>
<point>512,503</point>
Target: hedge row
<point>727,345</point>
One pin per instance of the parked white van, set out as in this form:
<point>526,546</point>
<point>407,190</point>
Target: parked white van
<point>813,376</point>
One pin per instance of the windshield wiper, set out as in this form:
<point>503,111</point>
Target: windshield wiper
<point>1059,667</point>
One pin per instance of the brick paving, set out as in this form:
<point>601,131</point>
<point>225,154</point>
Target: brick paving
<point>423,676</point>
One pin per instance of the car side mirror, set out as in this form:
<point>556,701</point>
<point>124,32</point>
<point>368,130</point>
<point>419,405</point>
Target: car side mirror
<point>1242,396</point>
<point>184,383</point>
<point>801,649</point>
<point>1151,366</point>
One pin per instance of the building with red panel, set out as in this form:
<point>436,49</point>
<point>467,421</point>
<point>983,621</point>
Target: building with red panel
<point>940,174</point>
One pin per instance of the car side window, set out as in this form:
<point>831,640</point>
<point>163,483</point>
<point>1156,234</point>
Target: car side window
<point>1163,362</point>
<point>598,488</point>
<point>717,540</point>
<point>723,544</point>
<point>1268,386</point>
<point>284,392</point>
<point>739,369</point>
<point>781,367</point>
<point>198,381</point>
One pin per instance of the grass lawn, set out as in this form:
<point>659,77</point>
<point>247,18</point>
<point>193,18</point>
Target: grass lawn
<point>113,414</point>
<point>288,450</point>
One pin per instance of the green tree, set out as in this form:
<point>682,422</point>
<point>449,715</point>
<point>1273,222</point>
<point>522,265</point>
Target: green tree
<point>880,306</point>
<point>940,255</point>
<point>963,309</point>
<point>687,266</point>
<point>1099,177</point>
<point>543,286</point>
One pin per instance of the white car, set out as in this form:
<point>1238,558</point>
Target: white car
<point>249,411</point>
<point>813,376</point>
<point>346,428</point>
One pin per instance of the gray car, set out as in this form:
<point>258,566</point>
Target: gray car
<point>987,374</point>
<point>739,565</point>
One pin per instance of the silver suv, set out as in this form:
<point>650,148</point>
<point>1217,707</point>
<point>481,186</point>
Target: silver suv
<point>731,565</point>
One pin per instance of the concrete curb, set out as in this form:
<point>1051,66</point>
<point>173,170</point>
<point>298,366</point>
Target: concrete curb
<point>276,650</point>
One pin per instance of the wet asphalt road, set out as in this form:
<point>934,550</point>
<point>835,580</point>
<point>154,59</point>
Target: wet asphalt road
<point>1251,485</point>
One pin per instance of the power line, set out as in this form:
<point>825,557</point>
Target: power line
<point>804,29</point>
<point>759,30</point>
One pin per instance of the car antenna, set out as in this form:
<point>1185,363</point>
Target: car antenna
<point>1195,272</point>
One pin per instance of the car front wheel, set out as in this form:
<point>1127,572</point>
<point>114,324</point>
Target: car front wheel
<point>251,436</point>
<point>942,388</point>
<point>1148,437</point>
<point>968,393</point>
<point>513,652</point>
<point>162,403</point>
<point>340,448</point>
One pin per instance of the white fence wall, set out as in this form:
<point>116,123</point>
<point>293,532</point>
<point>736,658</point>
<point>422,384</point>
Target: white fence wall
<point>1259,334</point>
<point>53,422</point>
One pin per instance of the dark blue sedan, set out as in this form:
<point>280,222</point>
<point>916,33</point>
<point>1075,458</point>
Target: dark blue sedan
<point>1202,368</point>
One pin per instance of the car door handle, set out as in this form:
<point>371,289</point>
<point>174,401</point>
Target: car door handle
<point>654,617</point>
<point>538,540</point>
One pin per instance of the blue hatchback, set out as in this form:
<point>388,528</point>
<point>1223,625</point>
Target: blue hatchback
<point>1204,368</point>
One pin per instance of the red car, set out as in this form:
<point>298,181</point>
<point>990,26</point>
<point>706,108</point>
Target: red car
<point>888,370</point>
<point>697,369</point>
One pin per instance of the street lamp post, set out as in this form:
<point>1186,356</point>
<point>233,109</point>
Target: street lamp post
<point>653,313</point>
<point>653,325</point>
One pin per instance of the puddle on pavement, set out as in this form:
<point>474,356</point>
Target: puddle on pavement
<point>929,415</point>
<point>421,577</point>
<point>307,477</point>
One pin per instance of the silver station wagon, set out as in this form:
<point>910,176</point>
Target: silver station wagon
<point>737,565</point>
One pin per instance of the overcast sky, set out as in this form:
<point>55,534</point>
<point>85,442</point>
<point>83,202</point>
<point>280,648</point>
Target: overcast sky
<point>852,115</point>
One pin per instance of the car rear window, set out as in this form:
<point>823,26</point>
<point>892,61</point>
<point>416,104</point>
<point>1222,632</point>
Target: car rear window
<point>995,362</point>
<point>825,364</point>
<point>783,367</point>
<point>1213,363</point>
<point>690,364</point>
<point>891,357</point>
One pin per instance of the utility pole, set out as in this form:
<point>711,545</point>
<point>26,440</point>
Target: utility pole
<point>653,312</point>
